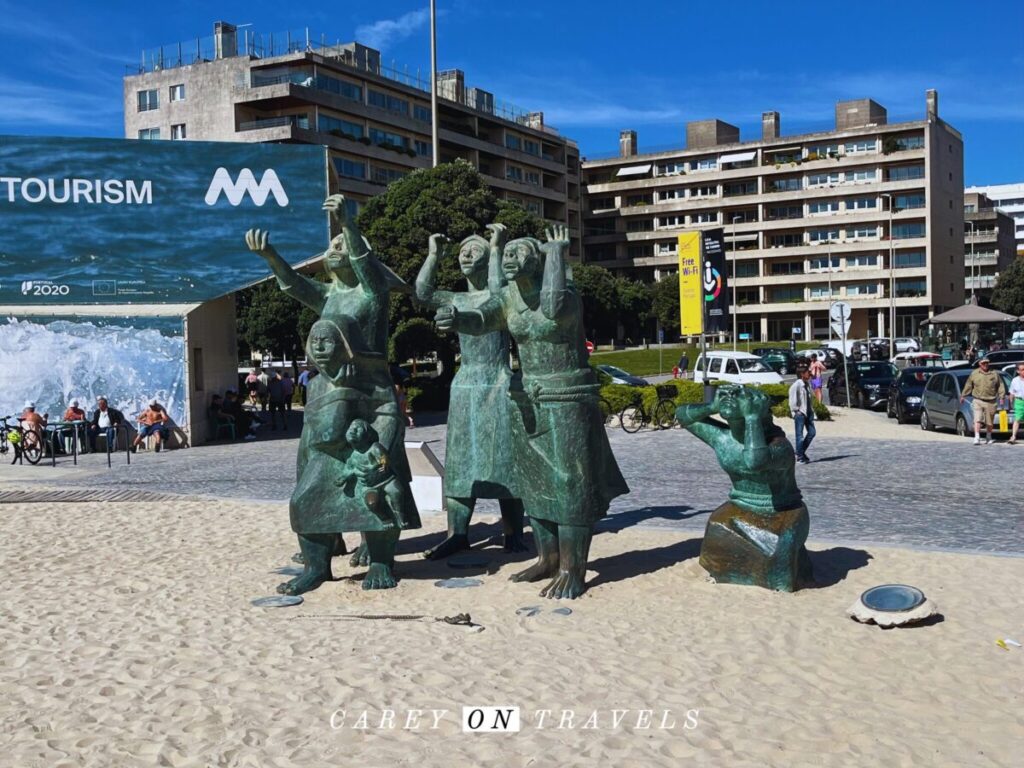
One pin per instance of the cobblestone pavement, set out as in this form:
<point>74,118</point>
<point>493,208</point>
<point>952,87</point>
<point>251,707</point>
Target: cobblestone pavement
<point>933,495</point>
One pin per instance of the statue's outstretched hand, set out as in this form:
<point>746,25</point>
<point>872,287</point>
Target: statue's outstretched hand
<point>335,205</point>
<point>258,242</point>
<point>446,318</point>
<point>437,243</point>
<point>557,233</point>
<point>499,234</point>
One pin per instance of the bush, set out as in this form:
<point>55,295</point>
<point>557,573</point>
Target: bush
<point>424,394</point>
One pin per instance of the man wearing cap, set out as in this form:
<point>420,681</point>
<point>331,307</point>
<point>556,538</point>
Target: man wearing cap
<point>105,419</point>
<point>153,421</point>
<point>32,420</point>
<point>987,387</point>
<point>73,413</point>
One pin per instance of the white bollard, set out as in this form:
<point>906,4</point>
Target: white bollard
<point>427,477</point>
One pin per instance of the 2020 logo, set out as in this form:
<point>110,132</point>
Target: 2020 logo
<point>44,288</point>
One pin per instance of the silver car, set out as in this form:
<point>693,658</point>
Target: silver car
<point>941,407</point>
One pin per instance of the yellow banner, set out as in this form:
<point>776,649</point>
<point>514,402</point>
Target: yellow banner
<point>691,290</point>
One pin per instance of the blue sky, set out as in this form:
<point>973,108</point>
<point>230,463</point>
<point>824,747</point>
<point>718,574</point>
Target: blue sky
<point>593,67</point>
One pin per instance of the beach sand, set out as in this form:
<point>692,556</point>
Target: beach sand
<point>129,640</point>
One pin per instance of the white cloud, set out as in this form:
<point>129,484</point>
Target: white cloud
<point>380,34</point>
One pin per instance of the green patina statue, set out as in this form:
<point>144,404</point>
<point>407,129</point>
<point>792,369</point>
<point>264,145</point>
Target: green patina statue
<point>476,463</point>
<point>563,465</point>
<point>757,537</point>
<point>352,417</point>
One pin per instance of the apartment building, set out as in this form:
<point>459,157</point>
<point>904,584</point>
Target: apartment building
<point>989,246</point>
<point>1009,198</point>
<point>870,213</point>
<point>376,121</point>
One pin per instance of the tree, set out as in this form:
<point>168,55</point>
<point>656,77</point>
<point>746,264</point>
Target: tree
<point>600,298</point>
<point>268,321</point>
<point>1008,295</point>
<point>665,304</point>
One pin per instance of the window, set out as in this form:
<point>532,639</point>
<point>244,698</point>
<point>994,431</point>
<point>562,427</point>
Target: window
<point>671,169</point>
<point>905,172</point>
<point>787,268</point>
<point>790,240</point>
<point>197,369</point>
<point>746,296</point>
<point>861,203</point>
<point>909,142</point>
<point>665,222</point>
<point>908,229</point>
<point>823,206</point>
<point>739,188</point>
<point>820,264</point>
<point>531,147</point>
<point>821,151</point>
<point>385,175</point>
<point>710,190</point>
<point>351,208</point>
<point>638,251</point>
<point>149,133</point>
<point>340,87</point>
<point>148,100</point>
<point>602,203</point>
<point>706,217</point>
<point>329,124</point>
<point>514,173</point>
<point>861,175</point>
<point>905,202</point>
<point>178,132</point>
<point>909,259</point>
<point>666,248</point>
<point>823,235</point>
<point>862,233</point>
<point>350,169</point>
<point>635,200</point>
<point>178,92</point>
<point>707,164</point>
<point>864,289</point>
<point>970,208</point>
<point>911,288</point>
<point>640,225</point>
<point>821,292</point>
<point>387,138</point>
<point>822,179</point>
<point>746,269</point>
<point>862,260</point>
<point>386,101</point>
<point>533,207</point>
<point>533,177</point>
<point>671,194</point>
<point>421,113</point>
<point>423,148</point>
<point>775,213</point>
<point>857,147</point>
<point>785,185</point>
<point>787,294</point>
<point>513,142</point>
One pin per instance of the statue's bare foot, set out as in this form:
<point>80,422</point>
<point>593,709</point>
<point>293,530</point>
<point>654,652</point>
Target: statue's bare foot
<point>514,542</point>
<point>542,569</point>
<point>379,577</point>
<point>307,582</point>
<point>457,542</point>
<point>361,557</point>
<point>567,584</point>
<point>298,557</point>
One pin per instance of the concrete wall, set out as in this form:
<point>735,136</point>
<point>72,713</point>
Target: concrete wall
<point>945,219</point>
<point>211,360</point>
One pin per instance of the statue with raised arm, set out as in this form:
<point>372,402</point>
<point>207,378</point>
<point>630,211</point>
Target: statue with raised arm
<point>757,536</point>
<point>348,345</point>
<point>563,467</point>
<point>479,448</point>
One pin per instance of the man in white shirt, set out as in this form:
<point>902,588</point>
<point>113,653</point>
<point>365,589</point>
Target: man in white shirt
<point>802,412</point>
<point>1017,401</point>
<point>105,420</point>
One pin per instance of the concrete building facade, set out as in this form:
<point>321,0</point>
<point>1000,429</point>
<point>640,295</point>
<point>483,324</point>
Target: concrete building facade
<point>989,245</point>
<point>375,120</point>
<point>1009,198</point>
<point>869,213</point>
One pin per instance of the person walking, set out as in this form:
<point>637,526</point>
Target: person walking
<point>803,413</point>
<point>683,365</point>
<point>1017,401</point>
<point>275,395</point>
<point>303,384</point>
<point>288,389</point>
<point>987,388</point>
<point>817,370</point>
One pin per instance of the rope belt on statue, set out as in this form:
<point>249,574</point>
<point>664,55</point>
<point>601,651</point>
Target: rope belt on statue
<point>577,393</point>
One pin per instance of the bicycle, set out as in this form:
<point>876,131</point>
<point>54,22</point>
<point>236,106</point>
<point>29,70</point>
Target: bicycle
<point>607,414</point>
<point>24,442</point>
<point>635,417</point>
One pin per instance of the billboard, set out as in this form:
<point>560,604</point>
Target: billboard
<point>54,360</point>
<point>691,293</point>
<point>715,283</point>
<point>113,221</point>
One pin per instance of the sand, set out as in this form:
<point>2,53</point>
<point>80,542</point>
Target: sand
<point>129,640</point>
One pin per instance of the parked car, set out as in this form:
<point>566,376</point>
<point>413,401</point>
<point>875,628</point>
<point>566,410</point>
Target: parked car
<point>917,360</point>
<point>908,344</point>
<point>1017,339</point>
<point>736,368</point>
<point>830,356</point>
<point>941,407</point>
<point>904,402</point>
<point>1002,357</point>
<point>859,349</point>
<point>620,376</point>
<point>868,384</point>
<point>782,361</point>
<point>878,348</point>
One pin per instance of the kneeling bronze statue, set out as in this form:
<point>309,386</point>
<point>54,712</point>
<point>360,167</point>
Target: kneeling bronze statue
<point>756,537</point>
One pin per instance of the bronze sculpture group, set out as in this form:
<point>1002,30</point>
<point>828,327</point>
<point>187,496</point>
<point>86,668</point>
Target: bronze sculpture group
<point>533,439</point>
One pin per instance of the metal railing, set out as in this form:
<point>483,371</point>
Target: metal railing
<point>296,121</point>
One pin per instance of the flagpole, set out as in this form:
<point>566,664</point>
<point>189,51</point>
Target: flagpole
<point>435,143</point>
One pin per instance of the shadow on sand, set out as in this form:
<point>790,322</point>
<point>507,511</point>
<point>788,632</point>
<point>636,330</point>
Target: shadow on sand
<point>628,565</point>
<point>622,520</point>
<point>831,566</point>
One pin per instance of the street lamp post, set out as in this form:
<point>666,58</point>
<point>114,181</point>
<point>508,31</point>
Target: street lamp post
<point>435,145</point>
<point>971,225</point>
<point>892,279</point>
<point>735,316</point>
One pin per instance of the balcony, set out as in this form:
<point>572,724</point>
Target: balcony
<point>295,121</point>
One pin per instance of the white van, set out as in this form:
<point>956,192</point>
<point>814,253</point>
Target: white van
<point>736,368</point>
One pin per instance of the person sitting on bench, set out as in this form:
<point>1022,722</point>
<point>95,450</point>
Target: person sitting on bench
<point>153,421</point>
<point>106,421</point>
